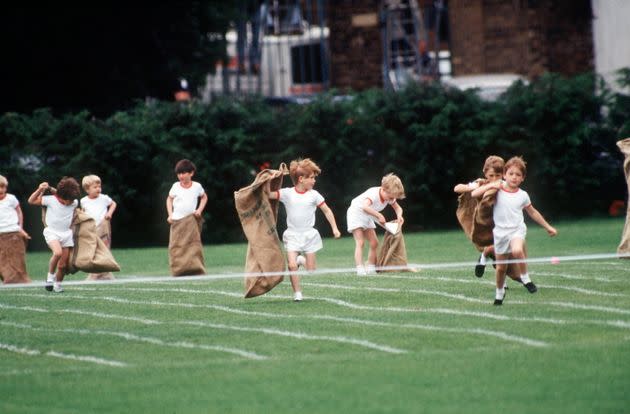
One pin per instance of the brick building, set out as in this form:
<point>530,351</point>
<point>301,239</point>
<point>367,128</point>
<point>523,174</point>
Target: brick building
<point>528,37</point>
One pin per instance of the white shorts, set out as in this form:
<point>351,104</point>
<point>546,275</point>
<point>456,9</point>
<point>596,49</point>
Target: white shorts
<point>357,219</point>
<point>504,236</point>
<point>64,237</point>
<point>308,241</point>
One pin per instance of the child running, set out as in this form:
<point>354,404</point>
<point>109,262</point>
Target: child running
<point>300,203</point>
<point>12,238</point>
<point>364,209</point>
<point>492,171</point>
<point>101,208</point>
<point>509,225</point>
<point>58,233</point>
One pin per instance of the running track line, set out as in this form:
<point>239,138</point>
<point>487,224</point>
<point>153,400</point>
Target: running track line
<point>487,315</point>
<point>55,354</point>
<point>151,340</point>
<point>481,331</point>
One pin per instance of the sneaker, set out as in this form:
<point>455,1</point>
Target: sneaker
<point>57,288</point>
<point>300,260</point>
<point>361,271</point>
<point>50,280</point>
<point>297,297</point>
<point>498,302</point>
<point>531,287</point>
<point>480,268</point>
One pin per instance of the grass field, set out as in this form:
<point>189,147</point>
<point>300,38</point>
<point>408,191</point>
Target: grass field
<point>394,343</point>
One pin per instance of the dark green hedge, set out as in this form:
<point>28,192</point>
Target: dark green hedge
<point>433,138</point>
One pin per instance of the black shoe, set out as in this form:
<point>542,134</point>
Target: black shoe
<point>480,268</point>
<point>498,302</point>
<point>531,287</point>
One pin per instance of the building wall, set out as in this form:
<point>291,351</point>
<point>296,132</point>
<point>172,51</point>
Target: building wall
<point>528,37</point>
<point>355,44</point>
<point>611,34</point>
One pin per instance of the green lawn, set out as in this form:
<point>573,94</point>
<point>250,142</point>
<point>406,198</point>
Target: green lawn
<point>399,342</point>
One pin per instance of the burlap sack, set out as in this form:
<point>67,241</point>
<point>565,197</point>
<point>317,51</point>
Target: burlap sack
<point>392,252</point>
<point>104,232</point>
<point>466,206</point>
<point>483,222</point>
<point>185,251</point>
<point>89,254</point>
<point>13,258</point>
<point>258,216</point>
<point>624,245</point>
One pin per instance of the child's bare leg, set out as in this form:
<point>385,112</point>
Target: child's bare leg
<point>311,261</point>
<point>293,267</point>
<point>359,240</point>
<point>57,250</point>
<point>500,278</point>
<point>373,240</point>
<point>62,265</point>
<point>519,252</point>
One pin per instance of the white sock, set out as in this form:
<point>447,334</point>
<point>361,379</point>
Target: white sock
<point>500,293</point>
<point>360,270</point>
<point>482,259</point>
<point>370,269</point>
<point>57,285</point>
<point>50,277</point>
<point>505,283</point>
<point>525,278</point>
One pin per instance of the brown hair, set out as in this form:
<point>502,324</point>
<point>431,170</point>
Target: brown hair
<point>517,162</point>
<point>185,166</point>
<point>302,168</point>
<point>68,189</point>
<point>392,184</point>
<point>495,163</point>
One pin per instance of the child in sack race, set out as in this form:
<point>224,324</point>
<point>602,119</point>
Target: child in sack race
<point>301,202</point>
<point>58,220</point>
<point>12,238</point>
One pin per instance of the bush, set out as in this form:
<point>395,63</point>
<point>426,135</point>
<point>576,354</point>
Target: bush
<point>431,137</point>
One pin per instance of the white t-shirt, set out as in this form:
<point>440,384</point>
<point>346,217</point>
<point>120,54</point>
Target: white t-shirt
<point>300,207</point>
<point>374,195</point>
<point>96,207</point>
<point>9,221</point>
<point>185,199</point>
<point>508,209</point>
<point>58,216</point>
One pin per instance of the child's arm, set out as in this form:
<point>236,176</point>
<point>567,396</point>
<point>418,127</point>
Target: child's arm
<point>169,209</point>
<point>538,218</point>
<point>479,191</point>
<point>369,210</point>
<point>461,188</point>
<point>110,210</point>
<point>36,198</point>
<point>202,205</point>
<point>331,219</point>
<point>399,213</point>
<point>21,222</point>
<point>273,195</point>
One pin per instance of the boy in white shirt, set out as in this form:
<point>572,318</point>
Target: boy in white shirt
<point>185,193</point>
<point>185,203</point>
<point>58,233</point>
<point>300,203</point>
<point>101,208</point>
<point>364,209</point>
<point>12,236</point>
<point>509,224</point>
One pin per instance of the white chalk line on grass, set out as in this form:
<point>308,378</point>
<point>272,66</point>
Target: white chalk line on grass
<point>82,312</point>
<point>466,298</point>
<point>487,315</point>
<point>310,273</point>
<point>55,354</point>
<point>500,334</point>
<point>146,339</point>
<point>299,335</point>
<point>225,309</point>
